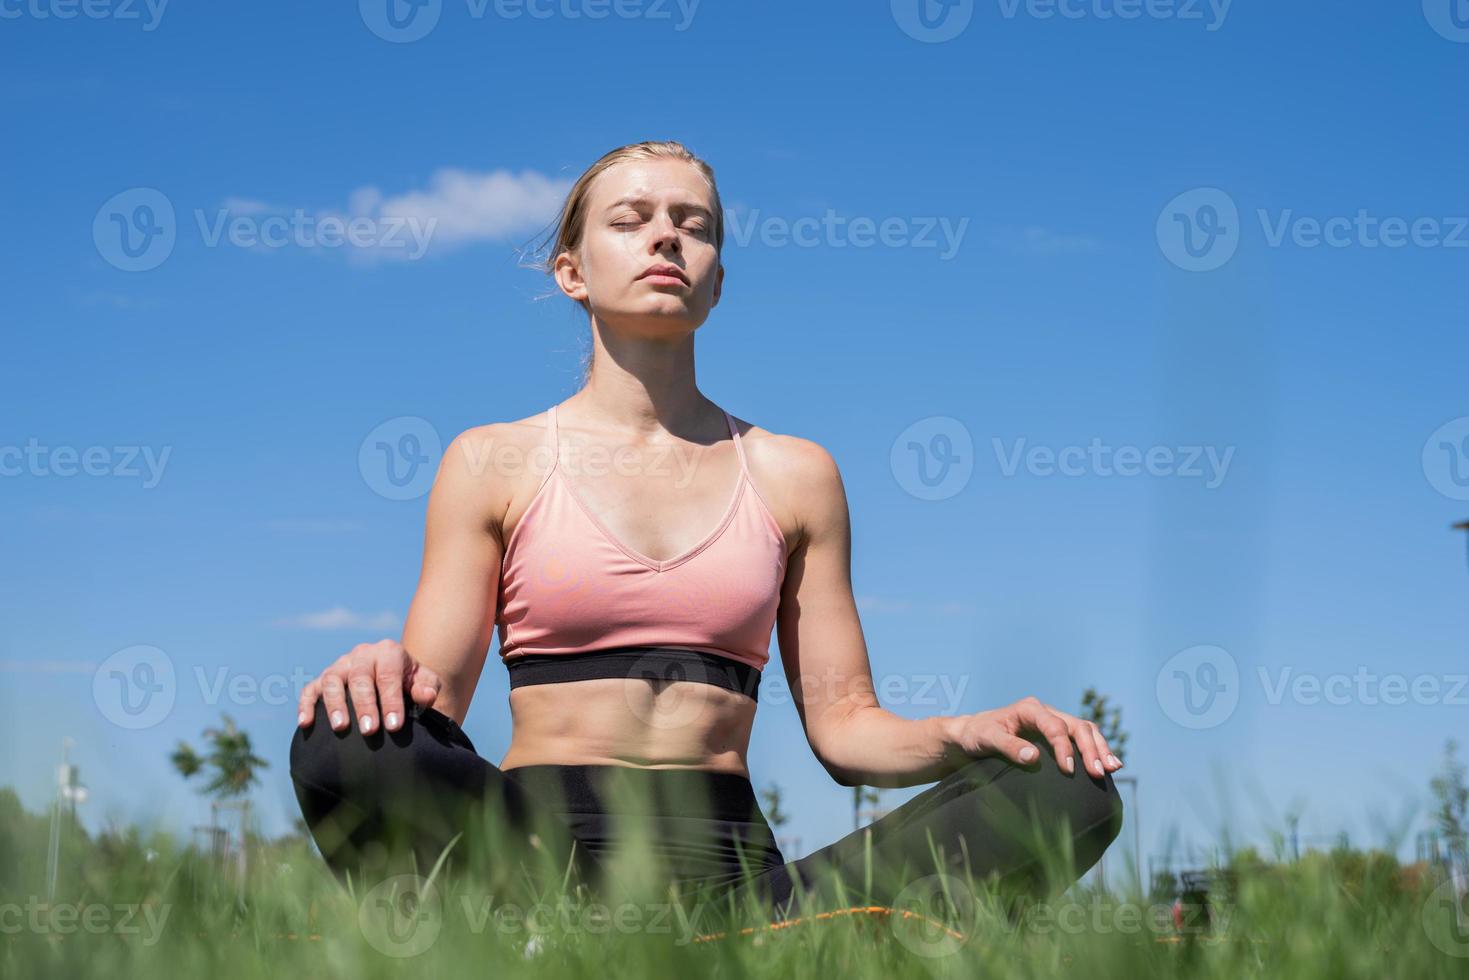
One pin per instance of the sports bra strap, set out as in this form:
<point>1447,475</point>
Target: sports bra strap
<point>739,446</point>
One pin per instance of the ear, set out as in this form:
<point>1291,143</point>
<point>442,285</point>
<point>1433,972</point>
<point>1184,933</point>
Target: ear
<point>569,278</point>
<point>718,285</point>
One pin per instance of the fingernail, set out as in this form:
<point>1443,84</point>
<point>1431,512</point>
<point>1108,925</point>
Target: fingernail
<point>1027,753</point>
<point>366,724</point>
<point>337,719</point>
<point>1099,769</point>
<point>301,718</point>
<point>392,720</point>
<point>1070,764</point>
<point>1114,760</point>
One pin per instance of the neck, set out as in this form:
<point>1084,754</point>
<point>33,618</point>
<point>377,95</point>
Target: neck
<point>644,384</point>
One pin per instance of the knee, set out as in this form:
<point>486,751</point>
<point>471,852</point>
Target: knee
<point>316,753</point>
<point>1091,806</point>
<point>341,763</point>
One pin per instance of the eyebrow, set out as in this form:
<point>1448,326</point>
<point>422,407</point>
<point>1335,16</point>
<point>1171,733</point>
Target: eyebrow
<point>637,199</point>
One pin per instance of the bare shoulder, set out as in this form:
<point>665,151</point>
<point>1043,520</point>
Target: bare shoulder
<point>798,477</point>
<point>486,467</point>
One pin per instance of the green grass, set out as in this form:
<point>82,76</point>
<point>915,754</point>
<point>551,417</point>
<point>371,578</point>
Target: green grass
<point>134,904</point>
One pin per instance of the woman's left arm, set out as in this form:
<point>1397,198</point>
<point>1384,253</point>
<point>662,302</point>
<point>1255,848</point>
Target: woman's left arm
<point>859,742</point>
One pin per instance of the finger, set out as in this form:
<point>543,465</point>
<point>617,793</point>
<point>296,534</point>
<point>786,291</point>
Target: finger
<point>1108,756</point>
<point>306,707</point>
<point>1012,747</point>
<point>1086,736</point>
<point>1034,715</point>
<point>1110,762</point>
<point>362,689</point>
<point>334,693</point>
<point>390,670</point>
<point>423,684</point>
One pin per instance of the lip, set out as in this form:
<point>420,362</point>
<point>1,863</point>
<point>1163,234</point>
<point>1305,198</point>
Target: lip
<point>665,273</point>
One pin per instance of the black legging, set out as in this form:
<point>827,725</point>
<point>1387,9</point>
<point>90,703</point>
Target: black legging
<point>372,801</point>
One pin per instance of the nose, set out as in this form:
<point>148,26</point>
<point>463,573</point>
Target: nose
<point>665,233</point>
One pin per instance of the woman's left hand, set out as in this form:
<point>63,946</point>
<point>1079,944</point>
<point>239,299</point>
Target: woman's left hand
<point>997,732</point>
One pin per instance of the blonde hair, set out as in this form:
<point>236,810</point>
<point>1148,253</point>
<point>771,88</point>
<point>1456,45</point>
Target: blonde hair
<point>570,225</point>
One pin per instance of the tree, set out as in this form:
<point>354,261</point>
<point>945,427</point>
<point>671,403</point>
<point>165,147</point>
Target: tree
<point>232,764</point>
<point>774,815</point>
<point>861,795</point>
<point>231,758</point>
<point>1453,800</point>
<point>1094,708</point>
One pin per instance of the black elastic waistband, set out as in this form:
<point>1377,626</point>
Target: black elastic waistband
<point>660,663</point>
<point>588,789</point>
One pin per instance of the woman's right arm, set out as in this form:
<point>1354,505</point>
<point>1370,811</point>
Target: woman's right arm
<point>452,617</point>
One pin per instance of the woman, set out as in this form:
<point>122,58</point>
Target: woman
<point>634,602</point>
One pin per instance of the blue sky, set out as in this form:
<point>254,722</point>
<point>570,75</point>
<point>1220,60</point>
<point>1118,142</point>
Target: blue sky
<point>1101,231</point>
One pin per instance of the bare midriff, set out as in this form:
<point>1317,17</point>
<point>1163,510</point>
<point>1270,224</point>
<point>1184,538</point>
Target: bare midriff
<point>629,721</point>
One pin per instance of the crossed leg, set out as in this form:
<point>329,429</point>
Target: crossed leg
<point>1032,829</point>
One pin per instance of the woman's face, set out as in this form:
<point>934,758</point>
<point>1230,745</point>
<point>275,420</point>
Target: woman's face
<point>642,214</point>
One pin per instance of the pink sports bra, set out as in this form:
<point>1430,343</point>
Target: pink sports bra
<point>576,603</point>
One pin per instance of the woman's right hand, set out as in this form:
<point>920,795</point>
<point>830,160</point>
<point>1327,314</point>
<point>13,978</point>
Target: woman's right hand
<point>374,676</point>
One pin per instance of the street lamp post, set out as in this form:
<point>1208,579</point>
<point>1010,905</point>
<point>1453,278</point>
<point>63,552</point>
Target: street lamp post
<point>69,792</point>
<point>1137,834</point>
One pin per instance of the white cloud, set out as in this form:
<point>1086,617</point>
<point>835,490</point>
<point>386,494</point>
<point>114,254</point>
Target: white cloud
<point>457,208</point>
<point>339,618</point>
<point>465,206</point>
